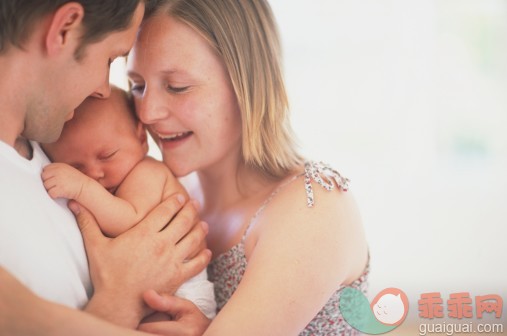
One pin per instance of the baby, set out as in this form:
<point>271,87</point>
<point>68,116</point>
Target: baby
<point>101,162</point>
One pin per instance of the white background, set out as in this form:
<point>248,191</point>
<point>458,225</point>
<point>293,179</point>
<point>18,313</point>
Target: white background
<point>408,98</point>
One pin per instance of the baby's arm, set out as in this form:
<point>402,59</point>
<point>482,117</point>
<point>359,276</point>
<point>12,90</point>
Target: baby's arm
<point>148,184</point>
<point>65,181</point>
<point>140,192</point>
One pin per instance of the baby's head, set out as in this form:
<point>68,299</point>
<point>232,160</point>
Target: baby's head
<point>104,140</point>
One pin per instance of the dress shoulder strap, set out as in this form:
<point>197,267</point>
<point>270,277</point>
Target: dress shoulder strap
<point>319,172</point>
<point>324,175</point>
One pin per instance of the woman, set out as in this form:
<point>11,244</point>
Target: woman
<point>207,82</point>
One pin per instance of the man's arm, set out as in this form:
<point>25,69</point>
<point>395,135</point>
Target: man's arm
<point>23,313</point>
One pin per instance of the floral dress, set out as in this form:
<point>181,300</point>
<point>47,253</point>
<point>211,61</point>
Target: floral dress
<point>226,271</point>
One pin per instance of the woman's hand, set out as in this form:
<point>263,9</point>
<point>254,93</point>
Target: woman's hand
<point>151,255</point>
<point>185,317</point>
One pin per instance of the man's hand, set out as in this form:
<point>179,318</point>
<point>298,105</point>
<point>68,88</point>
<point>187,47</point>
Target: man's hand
<point>62,180</point>
<point>186,318</point>
<point>151,255</point>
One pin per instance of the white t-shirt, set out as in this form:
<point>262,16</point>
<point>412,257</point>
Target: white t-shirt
<point>40,243</point>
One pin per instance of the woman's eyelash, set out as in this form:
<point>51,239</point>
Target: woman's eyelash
<point>177,89</point>
<point>136,87</point>
<point>174,89</point>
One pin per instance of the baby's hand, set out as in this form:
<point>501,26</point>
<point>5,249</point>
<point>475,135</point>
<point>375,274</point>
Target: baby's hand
<point>62,180</point>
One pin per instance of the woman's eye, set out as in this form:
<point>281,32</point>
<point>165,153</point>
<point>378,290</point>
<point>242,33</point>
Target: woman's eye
<point>175,89</point>
<point>137,88</point>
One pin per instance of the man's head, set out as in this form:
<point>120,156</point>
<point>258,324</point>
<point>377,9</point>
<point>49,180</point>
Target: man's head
<point>104,140</point>
<point>19,17</point>
<point>56,53</point>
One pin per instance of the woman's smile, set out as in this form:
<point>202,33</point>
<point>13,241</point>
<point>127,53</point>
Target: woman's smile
<point>173,140</point>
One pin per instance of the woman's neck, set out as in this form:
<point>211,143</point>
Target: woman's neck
<point>229,184</point>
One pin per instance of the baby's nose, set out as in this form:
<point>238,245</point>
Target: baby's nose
<point>95,173</point>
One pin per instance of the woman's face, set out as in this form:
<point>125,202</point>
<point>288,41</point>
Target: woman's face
<point>184,95</point>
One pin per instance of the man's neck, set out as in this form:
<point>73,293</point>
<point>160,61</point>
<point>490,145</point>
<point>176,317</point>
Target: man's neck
<point>23,147</point>
<point>14,70</point>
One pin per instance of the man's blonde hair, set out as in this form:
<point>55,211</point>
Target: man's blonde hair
<point>244,34</point>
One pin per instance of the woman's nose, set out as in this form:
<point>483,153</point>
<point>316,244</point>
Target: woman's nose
<point>151,107</point>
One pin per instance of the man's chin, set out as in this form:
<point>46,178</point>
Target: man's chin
<point>69,116</point>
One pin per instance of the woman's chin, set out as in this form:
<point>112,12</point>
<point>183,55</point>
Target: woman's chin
<point>177,168</point>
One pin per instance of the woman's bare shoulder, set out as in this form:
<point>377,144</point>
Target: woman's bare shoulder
<point>316,215</point>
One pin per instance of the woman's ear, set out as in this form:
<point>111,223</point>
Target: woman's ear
<point>65,29</point>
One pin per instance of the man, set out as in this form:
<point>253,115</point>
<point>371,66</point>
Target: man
<point>52,56</point>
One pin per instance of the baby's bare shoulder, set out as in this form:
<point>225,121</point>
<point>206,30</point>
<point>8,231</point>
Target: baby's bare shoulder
<point>151,166</point>
<point>154,169</point>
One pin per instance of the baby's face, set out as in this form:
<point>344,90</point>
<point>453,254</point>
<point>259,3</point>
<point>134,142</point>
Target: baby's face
<point>105,147</point>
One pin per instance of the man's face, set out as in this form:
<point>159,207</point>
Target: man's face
<point>72,80</point>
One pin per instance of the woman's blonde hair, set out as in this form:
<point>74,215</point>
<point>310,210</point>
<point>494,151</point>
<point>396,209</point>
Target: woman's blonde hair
<point>244,34</point>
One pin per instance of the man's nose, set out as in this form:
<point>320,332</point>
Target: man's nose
<point>104,90</point>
